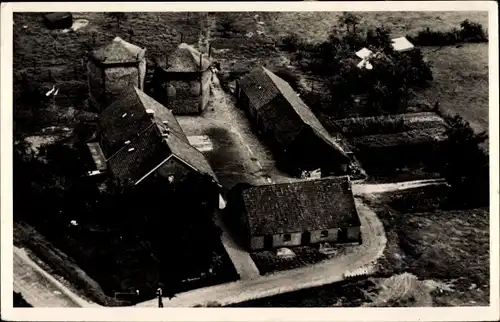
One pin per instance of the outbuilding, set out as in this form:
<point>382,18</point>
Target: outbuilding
<point>182,80</point>
<point>289,126</point>
<point>112,70</point>
<point>299,213</point>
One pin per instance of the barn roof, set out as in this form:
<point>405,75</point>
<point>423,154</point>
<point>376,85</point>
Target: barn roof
<point>118,51</point>
<point>186,59</point>
<point>139,133</point>
<point>262,86</point>
<point>407,138</point>
<point>300,206</point>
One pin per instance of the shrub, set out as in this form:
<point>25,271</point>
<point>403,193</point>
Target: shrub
<point>468,32</point>
<point>290,43</point>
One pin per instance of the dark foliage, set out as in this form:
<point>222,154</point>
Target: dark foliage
<point>289,77</point>
<point>19,301</point>
<point>469,32</point>
<point>465,164</point>
<point>384,89</point>
<point>119,17</point>
<point>124,239</point>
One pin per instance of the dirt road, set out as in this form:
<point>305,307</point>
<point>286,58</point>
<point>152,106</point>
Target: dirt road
<point>326,272</point>
<point>38,287</point>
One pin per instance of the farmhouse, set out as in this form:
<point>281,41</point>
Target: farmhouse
<point>112,69</point>
<point>300,213</point>
<point>182,80</point>
<point>291,128</point>
<point>140,138</point>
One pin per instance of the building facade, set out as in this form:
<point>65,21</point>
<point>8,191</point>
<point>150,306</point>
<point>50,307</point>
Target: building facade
<point>182,81</point>
<point>112,70</point>
<point>300,213</point>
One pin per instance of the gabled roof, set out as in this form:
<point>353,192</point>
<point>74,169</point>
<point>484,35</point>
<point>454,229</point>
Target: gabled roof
<point>262,86</point>
<point>141,134</point>
<point>402,44</point>
<point>300,206</point>
<point>186,59</point>
<point>128,116</point>
<point>136,159</point>
<point>118,51</point>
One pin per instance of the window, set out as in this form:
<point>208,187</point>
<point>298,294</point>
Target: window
<point>324,234</point>
<point>287,237</point>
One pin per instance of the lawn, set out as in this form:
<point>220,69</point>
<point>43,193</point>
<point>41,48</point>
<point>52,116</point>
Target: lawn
<point>460,82</point>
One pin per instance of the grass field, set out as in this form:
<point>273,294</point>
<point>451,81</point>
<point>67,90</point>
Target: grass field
<point>417,243</point>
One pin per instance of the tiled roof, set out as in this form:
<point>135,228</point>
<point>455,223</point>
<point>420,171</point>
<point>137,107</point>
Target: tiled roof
<point>258,87</point>
<point>262,85</point>
<point>139,157</point>
<point>121,121</point>
<point>190,155</point>
<point>300,206</point>
<point>128,123</point>
<point>186,59</point>
<point>118,51</point>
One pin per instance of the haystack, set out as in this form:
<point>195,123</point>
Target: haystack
<point>114,68</point>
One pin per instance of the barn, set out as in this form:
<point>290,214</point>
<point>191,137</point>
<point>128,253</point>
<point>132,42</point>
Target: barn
<point>299,213</point>
<point>112,69</point>
<point>289,126</point>
<point>182,80</point>
<point>140,139</point>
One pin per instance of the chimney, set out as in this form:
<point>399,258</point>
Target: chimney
<point>127,142</point>
<point>209,50</point>
<point>150,112</point>
<point>201,61</point>
<point>131,149</point>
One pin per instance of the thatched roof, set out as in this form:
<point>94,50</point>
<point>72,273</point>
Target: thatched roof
<point>186,59</point>
<point>262,86</point>
<point>139,133</point>
<point>118,51</point>
<point>407,138</point>
<point>300,206</point>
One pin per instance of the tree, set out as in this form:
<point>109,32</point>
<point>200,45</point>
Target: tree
<point>465,164</point>
<point>119,17</point>
<point>349,21</point>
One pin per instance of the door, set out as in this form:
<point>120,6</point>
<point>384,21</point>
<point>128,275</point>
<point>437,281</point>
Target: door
<point>342,237</point>
<point>268,241</point>
<point>306,238</point>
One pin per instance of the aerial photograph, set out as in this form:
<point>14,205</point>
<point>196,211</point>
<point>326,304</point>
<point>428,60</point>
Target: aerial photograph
<point>251,159</point>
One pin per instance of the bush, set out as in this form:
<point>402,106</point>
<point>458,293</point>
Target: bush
<point>290,43</point>
<point>472,32</point>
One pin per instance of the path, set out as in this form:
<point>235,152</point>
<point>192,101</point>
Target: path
<point>241,259</point>
<point>326,272</point>
<point>366,188</point>
<point>38,287</point>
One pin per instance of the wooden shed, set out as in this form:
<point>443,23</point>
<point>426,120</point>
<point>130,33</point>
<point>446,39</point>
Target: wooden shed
<point>112,70</point>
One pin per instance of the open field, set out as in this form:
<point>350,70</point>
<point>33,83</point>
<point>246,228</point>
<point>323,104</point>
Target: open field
<point>417,243</point>
<point>460,82</point>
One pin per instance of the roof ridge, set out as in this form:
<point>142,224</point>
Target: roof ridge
<point>132,140</point>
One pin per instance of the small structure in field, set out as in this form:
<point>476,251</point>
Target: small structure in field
<point>112,70</point>
<point>140,138</point>
<point>300,213</point>
<point>291,128</point>
<point>182,80</point>
<point>58,20</point>
<point>401,44</point>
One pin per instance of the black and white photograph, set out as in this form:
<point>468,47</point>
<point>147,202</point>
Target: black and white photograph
<point>250,158</point>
